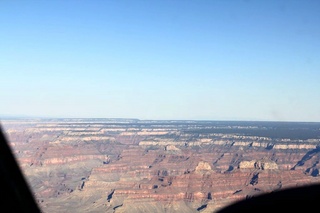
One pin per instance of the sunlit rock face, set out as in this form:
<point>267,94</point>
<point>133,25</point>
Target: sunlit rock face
<point>103,165</point>
<point>258,164</point>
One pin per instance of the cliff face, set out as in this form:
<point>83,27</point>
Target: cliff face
<point>125,166</point>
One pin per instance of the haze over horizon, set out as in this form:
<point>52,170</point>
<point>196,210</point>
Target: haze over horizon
<point>169,60</point>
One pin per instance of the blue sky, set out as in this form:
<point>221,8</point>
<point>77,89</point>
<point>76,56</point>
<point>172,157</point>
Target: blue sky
<point>178,59</point>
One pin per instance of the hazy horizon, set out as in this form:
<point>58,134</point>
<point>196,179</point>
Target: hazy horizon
<point>21,117</point>
<point>161,60</point>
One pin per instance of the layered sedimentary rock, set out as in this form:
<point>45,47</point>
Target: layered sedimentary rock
<point>87,165</point>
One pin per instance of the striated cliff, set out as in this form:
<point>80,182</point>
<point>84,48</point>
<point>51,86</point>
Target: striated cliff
<point>83,165</point>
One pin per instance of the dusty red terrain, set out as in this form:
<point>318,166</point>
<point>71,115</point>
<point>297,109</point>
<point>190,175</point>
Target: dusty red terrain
<point>135,166</point>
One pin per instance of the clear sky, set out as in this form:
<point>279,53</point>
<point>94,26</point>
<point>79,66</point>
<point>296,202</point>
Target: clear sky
<point>159,59</point>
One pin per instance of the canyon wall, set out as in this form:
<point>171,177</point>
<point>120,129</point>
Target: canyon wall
<point>84,165</point>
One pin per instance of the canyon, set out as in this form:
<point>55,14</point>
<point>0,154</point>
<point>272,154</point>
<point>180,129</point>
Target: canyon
<point>131,165</point>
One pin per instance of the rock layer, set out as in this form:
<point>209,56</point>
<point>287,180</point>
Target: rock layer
<point>87,165</point>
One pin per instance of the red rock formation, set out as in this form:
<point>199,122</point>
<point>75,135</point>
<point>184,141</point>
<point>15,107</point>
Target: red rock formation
<point>119,167</point>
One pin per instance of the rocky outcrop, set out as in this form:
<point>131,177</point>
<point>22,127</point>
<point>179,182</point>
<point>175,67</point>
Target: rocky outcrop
<point>258,164</point>
<point>171,148</point>
<point>203,167</point>
<point>156,166</point>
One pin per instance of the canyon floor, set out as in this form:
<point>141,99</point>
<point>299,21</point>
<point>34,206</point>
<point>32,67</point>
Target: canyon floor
<point>130,165</point>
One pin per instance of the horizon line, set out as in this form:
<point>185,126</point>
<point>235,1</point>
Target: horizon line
<point>13,117</point>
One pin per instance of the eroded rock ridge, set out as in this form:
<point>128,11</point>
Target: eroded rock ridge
<point>127,165</point>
